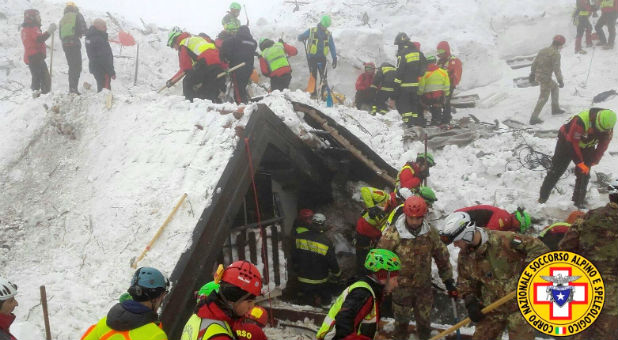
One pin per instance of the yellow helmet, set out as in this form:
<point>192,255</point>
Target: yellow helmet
<point>71,3</point>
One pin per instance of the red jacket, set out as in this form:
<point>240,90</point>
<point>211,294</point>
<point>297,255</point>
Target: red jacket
<point>451,64</point>
<point>212,311</point>
<point>290,51</point>
<point>611,9</point>
<point>186,58</point>
<point>490,217</point>
<point>246,330</point>
<point>573,132</point>
<point>365,228</point>
<point>5,322</point>
<point>363,81</point>
<point>410,178</point>
<point>34,41</point>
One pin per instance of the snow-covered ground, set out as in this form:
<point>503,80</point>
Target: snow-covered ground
<point>83,189</point>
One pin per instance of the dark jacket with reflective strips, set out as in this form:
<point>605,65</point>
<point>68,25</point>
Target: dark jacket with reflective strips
<point>314,257</point>
<point>356,305</point>
<point>410,66</point>
<point>385,78</point>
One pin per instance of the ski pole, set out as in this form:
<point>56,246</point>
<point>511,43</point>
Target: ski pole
<point>45,313</point>
<point>136,64</point>
<point>246,16</point>
<point>51,60</point>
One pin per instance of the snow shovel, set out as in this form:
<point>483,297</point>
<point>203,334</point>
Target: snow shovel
<point>173,82</point>
<point>453,299</point>
<point>485,310</point>
<point>311,84</point>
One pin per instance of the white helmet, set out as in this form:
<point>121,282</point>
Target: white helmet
<point>404,193</point>
<point>457,226</point>
<point>7,289</point>
<point>318,219</point>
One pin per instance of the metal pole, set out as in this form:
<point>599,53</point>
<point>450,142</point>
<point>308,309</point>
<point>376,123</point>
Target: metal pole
<point>45,313</point>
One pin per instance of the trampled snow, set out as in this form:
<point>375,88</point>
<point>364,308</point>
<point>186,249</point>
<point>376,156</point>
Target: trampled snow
<point>84,188</point>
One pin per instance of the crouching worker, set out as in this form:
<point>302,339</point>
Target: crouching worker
<point>240,284</point>
<point>137,317</point>
<point>355,314</point>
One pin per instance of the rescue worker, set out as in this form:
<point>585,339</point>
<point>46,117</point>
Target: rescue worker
<point>594,237</point>
<point>609,11</point>
<point>240,284</point>
<point>583,140</point>
<point>453,66</point>
<point>489,265</point>
<point>236,50</point>
<point>314,262</point>
<point>302,223</point>
<point>8,291</point>
<point>250,327</point>
<point>137,317</point>
<point>72,27</point>
<point>199,63</point>
<point>355,315</point>
<point>410,67</point>
<point>363,99</point>
<point>553,234</point>
<point>378,204</point>
<point>546,63</point>
<point>206,290</point>
<point>417,243</point>
<point>581,17</point>
<point>412,174</point>
<point>318,44</point>
<point>230,21</point>
<point>425,192</point>
<point>494,218</point>
<point>384,86</point>
<point>433,89</point>
<point>100,57</point>
<point>34,50</point>
<point>274,63</point>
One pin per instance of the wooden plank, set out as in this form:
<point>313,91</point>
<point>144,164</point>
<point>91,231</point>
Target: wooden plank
<point>276,266</point>
<point>241,242</point>
<point>252,248</point>
<point>264,252</point>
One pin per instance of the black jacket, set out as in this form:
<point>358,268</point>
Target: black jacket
<point>314,256</point>
<point>240,48</point>
<point>130,315</point>
<point>348,318</point>
<point>410,66</point>
<point>385,76</point>
<point>99,52</point>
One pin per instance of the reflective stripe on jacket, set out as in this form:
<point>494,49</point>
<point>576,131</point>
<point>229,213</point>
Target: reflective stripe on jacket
<point>204,329</point>
<point>313,42</point>
<point>197,45</point>
<point>101,331</point>
<point>434,81</point>
<point>275,57</point>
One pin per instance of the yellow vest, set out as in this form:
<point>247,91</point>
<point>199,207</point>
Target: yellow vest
<point>101,331</point>
<point>208,327</point>
<point>197,45</point>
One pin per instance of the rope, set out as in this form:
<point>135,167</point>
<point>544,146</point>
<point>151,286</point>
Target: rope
<point>259,221</point>
<point>529,158</point>
<point>589,67</point>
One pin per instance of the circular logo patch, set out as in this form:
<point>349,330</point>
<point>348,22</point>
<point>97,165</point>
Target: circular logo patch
<point>560,293</point>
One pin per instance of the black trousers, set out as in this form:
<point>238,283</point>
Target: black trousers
<point>280,83</point>
<point>103,80</point>
<point>74,59</point>
<point>563,154</point>
<point>609,19</point>
<point>314,60</point>
<point>380,99</point>
<point>447,111</point>
<point>240,79</point>
<point>583,25</point>
<point>364,97</point>
<point>40,74</point>
<point>202,83</point>
<point>408,107</point>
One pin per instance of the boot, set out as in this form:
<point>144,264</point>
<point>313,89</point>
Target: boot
<point>557,111</point>
<point>608,47</point>
<point>534,121</point>
<point>578,46</point>
<point>401,331</point>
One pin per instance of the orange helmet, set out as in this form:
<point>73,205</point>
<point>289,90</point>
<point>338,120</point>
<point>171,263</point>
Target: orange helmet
<point>573,216</point>
<point>244,275</point>
<point>559,40</point>
<point>415,206</point>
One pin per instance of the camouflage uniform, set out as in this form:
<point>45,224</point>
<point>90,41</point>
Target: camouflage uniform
<point>490,272</point>
<point>594,237</point>
<point>414,291</point>
<point>547,62</point>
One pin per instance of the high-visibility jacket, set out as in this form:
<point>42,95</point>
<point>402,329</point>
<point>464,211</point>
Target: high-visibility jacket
<point>276,57</point>
<point>582,135</point>
<point>609,6</point>
<point>435,82</point>
<point>313,43</point>
<point>101,331</point>
<point>583,7</point>
<point>329,321</point>
<point>374,197</point>
<point>409,176</point>
<point>197,45</point>
<point>203,329</point>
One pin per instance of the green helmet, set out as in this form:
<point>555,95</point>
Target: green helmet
<point>174,33</point>
<point>606,119</point>
<point>427,194</point>
<point>124,297</point>
<point>325,21</point>
<point>427,156</point>
<point>382,259</point>
<point>524,220</point>
<point>235,5</point>
<point>208,288</point>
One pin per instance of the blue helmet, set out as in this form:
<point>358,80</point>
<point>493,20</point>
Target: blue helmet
<point>148,283</point>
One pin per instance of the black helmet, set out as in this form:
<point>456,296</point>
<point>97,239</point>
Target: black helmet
<point>401,38</point>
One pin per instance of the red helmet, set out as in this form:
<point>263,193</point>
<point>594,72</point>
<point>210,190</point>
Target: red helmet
<point>245,276</point>
<point>417,45</point>
<point>305,215</point>
<point>559,40</point>
<point>415,206</point>
<point>259,315</point>
<point>369,66</point>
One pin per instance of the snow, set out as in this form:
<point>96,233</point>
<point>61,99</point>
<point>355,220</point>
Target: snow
<point>84,189</point>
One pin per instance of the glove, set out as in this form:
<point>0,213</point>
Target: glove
<point>583,168</point>
<point>334,64</point>
<point>52,28</point>
<point>531,78</point>
<point>375,212</point>
<point>169,83</point>
<point>560,83</point>
<point>114,77</point>
<point>474,310</point>
<point>281,40</point>
<point>450,287</point>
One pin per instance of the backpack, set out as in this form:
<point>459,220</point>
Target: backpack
<point>67,26</point>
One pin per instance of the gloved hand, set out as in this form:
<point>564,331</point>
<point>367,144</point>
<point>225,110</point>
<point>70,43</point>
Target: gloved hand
<point>375,212</point>
<point>114,77</point>
<point>451,289</point>
<point>531,78</point>
<point>474,310</point>
<point>560,83</point>
<point>281,40</point>
<point>583,168</point>
<point>334,64</point>
<point>169,83</point>
<point>52,28</point>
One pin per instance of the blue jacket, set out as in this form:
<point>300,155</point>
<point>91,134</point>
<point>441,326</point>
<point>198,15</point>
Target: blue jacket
<point>321,37</point>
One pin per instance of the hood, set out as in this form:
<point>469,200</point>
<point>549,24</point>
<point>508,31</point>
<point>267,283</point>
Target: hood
<point>404,232</point>
<point>93,32</point>
<point>243,31</point>
<point>443,45</point>
<point>130,315</point>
